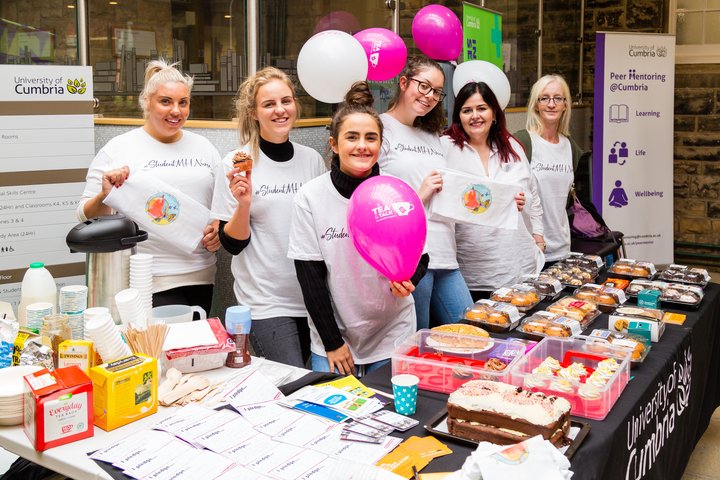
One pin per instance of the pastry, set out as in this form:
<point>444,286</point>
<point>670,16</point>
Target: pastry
<point>242,161</point>
<point>467,336</point>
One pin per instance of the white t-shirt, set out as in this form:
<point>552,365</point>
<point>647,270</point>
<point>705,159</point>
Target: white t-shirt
<point>369,317</point>
<point>553,168</point>
<point>265,278</point>
<point>190,165</point>
<point>490,257</point>
<point>411,154</point>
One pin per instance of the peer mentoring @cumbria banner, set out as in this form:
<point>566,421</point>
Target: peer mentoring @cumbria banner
<point>633,140</point>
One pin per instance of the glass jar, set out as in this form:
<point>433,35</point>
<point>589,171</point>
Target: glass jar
<point>55,330</point>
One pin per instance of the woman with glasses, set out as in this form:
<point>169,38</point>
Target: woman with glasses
<point>412,151</point>
<point>554,158</point>
<point>254,210</point>
<point>479,144</point>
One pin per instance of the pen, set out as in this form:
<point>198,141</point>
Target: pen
<point>415,473</point>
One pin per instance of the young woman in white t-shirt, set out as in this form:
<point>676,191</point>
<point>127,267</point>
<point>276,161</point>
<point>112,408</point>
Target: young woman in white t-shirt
<point>553,159</point>
<point>178,158</point>
<point>254,212</point>
<point>412,152</point>
<point>480,144</point>
<point>356,313</point>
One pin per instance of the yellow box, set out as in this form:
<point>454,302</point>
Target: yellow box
<point>124,391</point>
<point>77,352</point>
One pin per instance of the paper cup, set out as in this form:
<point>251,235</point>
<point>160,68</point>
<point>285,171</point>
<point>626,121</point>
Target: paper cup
<point>405,390</point>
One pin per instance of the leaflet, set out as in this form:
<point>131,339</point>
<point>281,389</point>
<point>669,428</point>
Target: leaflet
<point>254,388</point>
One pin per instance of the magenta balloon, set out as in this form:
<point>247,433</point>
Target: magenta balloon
<point>385,50</point>
<point>387,223</point>
<point>338,20</point>
<point>437,32</point>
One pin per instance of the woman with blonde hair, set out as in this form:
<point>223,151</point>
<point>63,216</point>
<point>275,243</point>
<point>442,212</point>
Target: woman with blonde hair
<point>554,157</point>
<point>254,209</point>
<point>161,148</point>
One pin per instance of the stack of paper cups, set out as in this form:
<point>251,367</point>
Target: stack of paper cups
<point>141,279</point>
<point>35,312</point>
<point>106,337</point>
<point>91,313</point>
<point>73,302</point>
<point>130,308</point>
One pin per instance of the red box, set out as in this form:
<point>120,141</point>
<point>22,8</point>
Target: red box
<point>57,407</point>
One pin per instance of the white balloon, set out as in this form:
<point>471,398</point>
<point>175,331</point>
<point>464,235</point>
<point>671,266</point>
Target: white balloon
<point>482,71</point>
<point>329,63</point>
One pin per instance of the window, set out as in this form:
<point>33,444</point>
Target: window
<point>696,24</point>
<point>33,36</point>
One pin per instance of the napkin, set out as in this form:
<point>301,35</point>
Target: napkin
<point>160,209</point>
<point>534,458</point>
<point>477,200</point>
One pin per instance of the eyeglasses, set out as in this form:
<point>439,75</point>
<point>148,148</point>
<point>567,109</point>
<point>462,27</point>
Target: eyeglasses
<point>425,88</point>
<point>556,100</point>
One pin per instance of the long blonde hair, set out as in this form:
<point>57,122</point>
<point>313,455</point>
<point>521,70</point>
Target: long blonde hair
<point>245,105</point>
<point>157,73</point>
<point>533,123</point>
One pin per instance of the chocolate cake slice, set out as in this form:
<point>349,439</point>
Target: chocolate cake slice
<point>503,414</point>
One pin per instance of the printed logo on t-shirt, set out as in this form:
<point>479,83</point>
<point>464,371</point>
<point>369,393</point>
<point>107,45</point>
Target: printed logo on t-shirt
<point>555,168</point>
<point>179,162</point>
<point>421,149</point>
<point>334,233</point>
<point>162,208</point>
<point>283,189</point>
<point>477,198</point>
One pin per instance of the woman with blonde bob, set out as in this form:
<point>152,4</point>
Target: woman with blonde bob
<point>254,209</point>
<point>162,148</point>
<point>554,158</point>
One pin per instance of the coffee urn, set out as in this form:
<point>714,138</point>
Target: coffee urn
<point>108,241</point>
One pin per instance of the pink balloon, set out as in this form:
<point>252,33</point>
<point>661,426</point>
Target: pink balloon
<point>338,20</point>
<point>385,50</point>
<point>387,223</point>
<point>437,32</point>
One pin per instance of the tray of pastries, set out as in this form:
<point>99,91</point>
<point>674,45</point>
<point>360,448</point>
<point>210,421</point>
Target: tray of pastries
<point>639,346</point>
<point>493,316</point>
<point>606,298</point>
<point>632,268</point>
<point>545,324</point>
<point>673,293</point>
<point>571,275</point>
<point>547,286</point>
<point>683,274</point>
<point>523,297</point>
<point>585,260</point>
<point>584,311</point>
<point>644,321</point>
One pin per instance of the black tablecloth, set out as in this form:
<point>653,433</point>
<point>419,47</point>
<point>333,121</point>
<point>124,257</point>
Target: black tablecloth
<point>652,429</point>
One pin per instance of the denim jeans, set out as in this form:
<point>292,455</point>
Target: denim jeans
<point>442,294</point>
<point>321,364</point>
<point>282,339</point>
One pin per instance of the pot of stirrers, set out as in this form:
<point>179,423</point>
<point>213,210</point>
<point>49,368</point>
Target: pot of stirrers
<point>148,341</point>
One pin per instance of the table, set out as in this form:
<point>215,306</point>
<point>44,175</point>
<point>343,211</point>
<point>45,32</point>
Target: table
<point>652,429</point>
<point>650,432</point>
<point>71,459</point>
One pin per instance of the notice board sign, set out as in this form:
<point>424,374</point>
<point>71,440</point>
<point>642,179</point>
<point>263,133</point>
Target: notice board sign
<point>47,142</point>
<point>633,140</point>
<point>482,35</point>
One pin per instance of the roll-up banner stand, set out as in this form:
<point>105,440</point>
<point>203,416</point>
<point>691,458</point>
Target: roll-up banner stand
<point>46,145</point>
<point>633,140</point>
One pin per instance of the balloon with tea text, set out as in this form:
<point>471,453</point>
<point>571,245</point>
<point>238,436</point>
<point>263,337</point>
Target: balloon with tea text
<point>437,32</point>
<point>329,63</point>
<point>486,72</point>
<point>385,50</point>
<point>386,220</point>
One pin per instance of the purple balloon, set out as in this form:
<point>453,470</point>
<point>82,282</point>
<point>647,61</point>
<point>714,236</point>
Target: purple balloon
<point>387,223</point>
<point>437,32</point>
<point>385,50</point>
<point>338,20</point>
